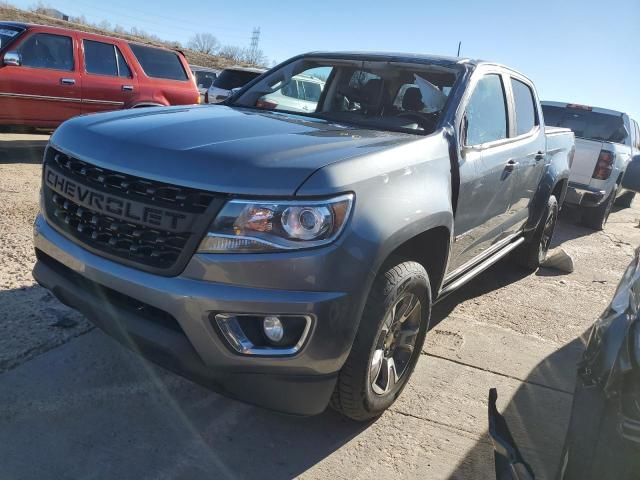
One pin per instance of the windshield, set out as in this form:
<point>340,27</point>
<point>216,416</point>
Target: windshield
<point>229,79</point>
<point>379,95</point>
<point>8,33</point>
<point>587,124</point>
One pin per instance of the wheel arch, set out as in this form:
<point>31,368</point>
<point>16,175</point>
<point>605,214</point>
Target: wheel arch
<point>430,249</point>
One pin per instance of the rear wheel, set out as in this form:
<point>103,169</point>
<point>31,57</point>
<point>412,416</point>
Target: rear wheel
<point>388,343</point>
<point>625,199</point>
<point>596,217</point>
<point>533,252</point>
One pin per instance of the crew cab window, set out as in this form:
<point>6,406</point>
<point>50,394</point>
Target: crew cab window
<point>159,63</point>
<point>524,106</point>
<point>44,50</point>
<point>486,113</point>
<point>104,59</point>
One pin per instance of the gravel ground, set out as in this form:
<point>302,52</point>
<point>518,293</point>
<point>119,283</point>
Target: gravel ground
<point>520,332</point>
<point>23,303</point>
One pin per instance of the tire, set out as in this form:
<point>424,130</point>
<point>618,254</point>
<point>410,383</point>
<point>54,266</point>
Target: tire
<point>596,217</point>
<point>534,251</point>
<point>361,393</point>
<point>625,199</point>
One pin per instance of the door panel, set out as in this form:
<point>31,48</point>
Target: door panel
<point>483,205</point>
<point>486,178</point>
<point>46,88</point>
<point>530,155</point>
<point>108,82</point>
<point>528,151</point>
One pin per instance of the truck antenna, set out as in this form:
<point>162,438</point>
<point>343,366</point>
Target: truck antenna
<point>459,45</point>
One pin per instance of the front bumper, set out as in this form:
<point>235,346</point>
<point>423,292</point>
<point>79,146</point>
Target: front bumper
<point>138,308</point>
<point>585,196</point>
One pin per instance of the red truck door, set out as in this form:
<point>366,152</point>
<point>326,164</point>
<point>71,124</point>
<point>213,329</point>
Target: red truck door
<point>45,89</point>
<point>108,81</point>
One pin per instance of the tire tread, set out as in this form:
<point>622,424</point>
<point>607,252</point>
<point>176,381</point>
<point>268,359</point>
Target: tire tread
<point>347,397</point>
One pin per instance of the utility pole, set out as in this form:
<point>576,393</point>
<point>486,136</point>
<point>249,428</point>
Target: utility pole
<point>459,45</point>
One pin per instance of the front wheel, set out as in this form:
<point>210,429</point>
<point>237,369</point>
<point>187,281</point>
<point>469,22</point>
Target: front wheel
<point>388,343</point>
<point>533,252</point>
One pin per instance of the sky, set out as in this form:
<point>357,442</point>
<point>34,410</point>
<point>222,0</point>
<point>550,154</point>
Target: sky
<point>576,51</point>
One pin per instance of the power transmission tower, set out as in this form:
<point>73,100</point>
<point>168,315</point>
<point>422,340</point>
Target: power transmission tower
<point>255,39</point>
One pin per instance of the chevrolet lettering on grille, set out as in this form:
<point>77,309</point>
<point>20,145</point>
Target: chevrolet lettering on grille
<point>117,207</point>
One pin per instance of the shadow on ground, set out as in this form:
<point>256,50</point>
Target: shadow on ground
<point>537,416</point>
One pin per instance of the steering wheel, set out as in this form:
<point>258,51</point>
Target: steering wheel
<point>423,121</point>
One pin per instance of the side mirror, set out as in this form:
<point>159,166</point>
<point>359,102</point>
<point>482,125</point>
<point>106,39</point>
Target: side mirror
<point>12,58</point>
<point>235,90</point>
<point>631,179</point>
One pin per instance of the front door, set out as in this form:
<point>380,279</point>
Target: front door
<point>45,89</point>
<point>108,82</point>
<point>486,189</point>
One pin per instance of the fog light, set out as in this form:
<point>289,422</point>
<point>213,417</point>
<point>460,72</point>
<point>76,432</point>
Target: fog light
<point>273,329</point>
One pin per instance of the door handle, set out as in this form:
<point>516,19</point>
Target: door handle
<point>127,88</point>
<point>67,81</point>
<point>511,165</point>
<point>539,156</point>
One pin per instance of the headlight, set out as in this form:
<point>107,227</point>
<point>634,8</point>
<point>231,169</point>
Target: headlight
<point>266,226</point>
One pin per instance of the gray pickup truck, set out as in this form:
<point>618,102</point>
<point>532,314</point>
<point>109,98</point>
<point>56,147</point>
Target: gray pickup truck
<point>288,259</point>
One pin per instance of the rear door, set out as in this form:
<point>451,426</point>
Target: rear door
<point>528,150</point>
<point>45,89</point>
<point>486,177</point>
<point>108,81</point>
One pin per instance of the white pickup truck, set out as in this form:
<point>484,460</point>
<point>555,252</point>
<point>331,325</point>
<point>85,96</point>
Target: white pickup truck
<point>606,140</point>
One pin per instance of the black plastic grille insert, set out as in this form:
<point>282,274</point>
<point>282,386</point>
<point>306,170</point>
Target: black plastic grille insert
<point>127,240</point>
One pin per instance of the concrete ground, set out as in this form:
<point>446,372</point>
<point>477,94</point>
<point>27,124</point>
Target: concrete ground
<point>74,404</point>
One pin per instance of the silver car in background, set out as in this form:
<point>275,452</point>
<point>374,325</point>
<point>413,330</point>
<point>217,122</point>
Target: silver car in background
<point>228,79</point>
<point>301,94</point>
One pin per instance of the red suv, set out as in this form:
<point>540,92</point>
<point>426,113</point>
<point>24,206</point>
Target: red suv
<point>50,74</point>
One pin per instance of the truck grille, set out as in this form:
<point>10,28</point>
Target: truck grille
<point>121,234</point>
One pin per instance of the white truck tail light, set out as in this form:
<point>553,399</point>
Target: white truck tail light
<point>604,165</point>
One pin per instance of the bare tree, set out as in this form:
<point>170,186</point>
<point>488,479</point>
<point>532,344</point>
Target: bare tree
<point>231,52</point>
<point>254,56</point>
<point>204,43</point>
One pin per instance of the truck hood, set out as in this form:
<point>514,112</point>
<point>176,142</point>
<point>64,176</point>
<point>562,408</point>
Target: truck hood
<point>217,148</point>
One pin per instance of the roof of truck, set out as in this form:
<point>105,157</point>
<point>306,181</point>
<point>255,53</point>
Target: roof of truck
<point>393,56</point>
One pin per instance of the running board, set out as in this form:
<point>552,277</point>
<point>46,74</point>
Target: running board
<point>479,268</point>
